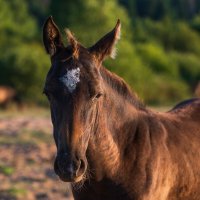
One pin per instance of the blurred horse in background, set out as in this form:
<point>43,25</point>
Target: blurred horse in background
<point>197,90</point>
<point>106,139</point>
<point>7,95</point>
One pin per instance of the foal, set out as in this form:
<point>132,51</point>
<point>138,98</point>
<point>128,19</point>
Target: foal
<point>105,137</point>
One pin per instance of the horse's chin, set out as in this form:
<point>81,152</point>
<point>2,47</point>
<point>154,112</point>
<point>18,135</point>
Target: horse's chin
<point>79,179</point>
<point>74,180</point>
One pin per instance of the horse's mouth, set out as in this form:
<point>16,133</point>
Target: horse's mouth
<point>71,180</point>
<point>78,179</point>
<point>65,177</point>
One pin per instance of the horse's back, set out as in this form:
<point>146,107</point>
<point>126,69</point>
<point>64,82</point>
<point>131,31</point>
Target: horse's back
<point>187,111</point>
<point>183,121</point>
<point>186,104</point>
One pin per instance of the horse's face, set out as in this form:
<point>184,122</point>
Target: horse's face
<point>73,94</point>
<point>74,87</point>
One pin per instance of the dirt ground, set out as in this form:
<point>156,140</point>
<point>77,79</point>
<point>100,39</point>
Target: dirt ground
<point>27,152</point>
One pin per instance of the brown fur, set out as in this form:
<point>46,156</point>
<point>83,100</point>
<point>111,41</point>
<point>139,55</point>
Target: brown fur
<point>118,148</point>
<point>6,94</point>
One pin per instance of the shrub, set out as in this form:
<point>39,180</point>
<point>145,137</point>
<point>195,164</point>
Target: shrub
<point>189,68</point>
<point>154,56</point>
<point>172,35</point>
<point>24,68</point>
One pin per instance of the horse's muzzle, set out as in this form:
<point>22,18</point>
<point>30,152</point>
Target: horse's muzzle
<point>68,170</point>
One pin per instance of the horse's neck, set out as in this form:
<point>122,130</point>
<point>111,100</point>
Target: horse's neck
<point>120,144</point>
<point>117,120</point>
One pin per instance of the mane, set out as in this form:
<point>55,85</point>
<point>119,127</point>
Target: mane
<point>121,87</point>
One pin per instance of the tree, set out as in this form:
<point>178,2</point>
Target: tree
<point>20,65</point>
<point>158,9</point>
<point>89,19</point>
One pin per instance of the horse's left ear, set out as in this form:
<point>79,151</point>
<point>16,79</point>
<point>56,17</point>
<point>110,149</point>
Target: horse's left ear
<point>51,37</point>
<point>106,45</point>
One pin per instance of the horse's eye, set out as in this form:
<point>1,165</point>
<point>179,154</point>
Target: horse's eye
<point>97,96</point>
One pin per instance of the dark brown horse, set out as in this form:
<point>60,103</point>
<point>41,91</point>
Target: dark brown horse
<point>106,139</point>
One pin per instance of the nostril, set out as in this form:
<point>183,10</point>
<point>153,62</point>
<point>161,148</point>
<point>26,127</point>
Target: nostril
<point>82,165</point>
<point>80,168</point>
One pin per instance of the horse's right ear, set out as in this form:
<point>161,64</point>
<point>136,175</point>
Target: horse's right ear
<point>106,45</point>
<point>51,37</point>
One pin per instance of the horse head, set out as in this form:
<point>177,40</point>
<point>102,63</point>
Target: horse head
<point>75,91</point>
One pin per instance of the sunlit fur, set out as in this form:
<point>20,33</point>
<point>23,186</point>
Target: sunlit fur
<point>129,152</point>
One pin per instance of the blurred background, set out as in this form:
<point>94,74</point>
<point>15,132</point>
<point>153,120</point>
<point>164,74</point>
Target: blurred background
<point>158,55</point>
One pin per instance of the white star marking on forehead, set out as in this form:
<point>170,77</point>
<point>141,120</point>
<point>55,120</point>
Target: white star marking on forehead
<point>71,78</point>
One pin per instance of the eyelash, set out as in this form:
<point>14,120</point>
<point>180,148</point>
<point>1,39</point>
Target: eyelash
<point>96,96</point>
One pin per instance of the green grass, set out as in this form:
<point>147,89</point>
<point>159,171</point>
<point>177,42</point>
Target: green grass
<point>32,111</point>
<point>40,136</point>
<point>26,138</point>
<point>6,170</point>
<point>14,193</point>
<point>16,140</point>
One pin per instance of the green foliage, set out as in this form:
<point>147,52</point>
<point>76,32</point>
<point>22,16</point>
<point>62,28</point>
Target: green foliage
<point>89,20</point>
<point>16,23</point>
<point>158,9</point>
<point>185,39</point>
<point>195,24</point>
<point>189,68</point>
<point>174,90</point>
<point>171,35</point>
<point>157,59</point>
<point>27,69</point>
<point>23,62</point>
